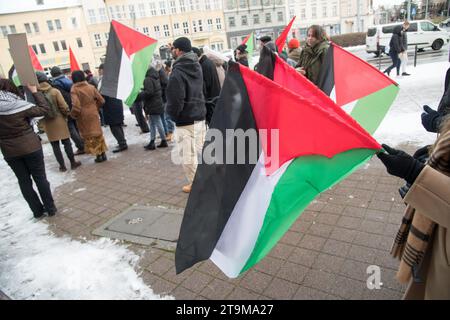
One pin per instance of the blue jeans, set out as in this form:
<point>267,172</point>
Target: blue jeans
<point>155,122</point>
<point>169,125</point>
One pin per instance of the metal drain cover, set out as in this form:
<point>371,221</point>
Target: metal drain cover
<point>156,226</point>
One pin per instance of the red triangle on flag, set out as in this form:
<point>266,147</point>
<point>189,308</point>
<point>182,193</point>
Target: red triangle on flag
<point>281,40</point>
<point>34,60</point>
<point>73,61</point>
<point>363,79</point>
<point>304,127</point>
<point>131,40</point>
<point>246,39</point>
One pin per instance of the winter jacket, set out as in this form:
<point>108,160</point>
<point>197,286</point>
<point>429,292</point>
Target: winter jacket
<point>396,43</point>
<point>243,61</point>
<point>294,54</point>
<point>210,78</point>
<point>219,67</point>
<point>185,99</point>
<point>113,111</point>
<point>62,82</point>
<point>311,59</point>
<point>151,95</point>
<point>86,101</point>
<point>92,81</point>
<point>163,80</point>
<point>17,137</point>
<point>56,128</point>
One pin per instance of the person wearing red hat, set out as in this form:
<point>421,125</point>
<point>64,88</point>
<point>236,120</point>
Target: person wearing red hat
<point>294,50</point>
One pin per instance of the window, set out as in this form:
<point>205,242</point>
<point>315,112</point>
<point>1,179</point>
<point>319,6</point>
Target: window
<point>42,47</point>
<point>36,27</point>
<point>39,2</point>
<point>200,25</point>
<point>242,3</point>
<point>244,20</point>
<point>255,3</point>
<point>324,12</point>
<point>182,6</point>
<point>102,14</point>
<point>63,44</point>
<point>111,12</point>
<point>58,24</point>
<point>268,17</point>
<point>314,12</point>
<point>98,40</point>
<point>91,14</point>
<point>194,26</point>
<point>56,46</point>
<point>191,5</point>
<point>27,28</point>
<point>118,12</point>
<point>291,12</point>
<point>12,29</point>
<point>162,7</point>
<point>231,22</point>
<point>146,31</point>
<point>132,13</point>
<point>230,4</point>
<point>210,24</point>
<point>157,31</point>
<point>141,7</point>
<point>79,43</point>
<point>303,13</point>
<point>186,27</point>
<point>173,7</point>
<point>256,19</point>
<point>166,30</point>
<point>218,46</point>
<point>426,26</point>
<point>34,48</point>
<point>50,25</point>
<point>106,36</point>
<point>334,11</point>
<point>280,16</point>
<point>152,9</point>
<point>207,5</point>
<point>176,29</point>
<point>218,24</point>
<point>197,5</point>
<point>74,22</point>
<point>412,27</point>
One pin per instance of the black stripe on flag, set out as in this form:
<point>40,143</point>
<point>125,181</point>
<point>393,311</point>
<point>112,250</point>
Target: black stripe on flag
<point>326,76</point>
<point>111,70</point>
<point>217,187</point>
<point>266,64</point>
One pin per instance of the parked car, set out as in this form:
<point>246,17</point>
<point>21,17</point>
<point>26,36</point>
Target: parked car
<point>420,31</point>
<point>445,23</point>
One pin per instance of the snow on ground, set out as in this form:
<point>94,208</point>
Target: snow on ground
<point>35,264</point>
<point>403,123</point>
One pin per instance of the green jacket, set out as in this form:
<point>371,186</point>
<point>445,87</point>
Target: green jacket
<point>311,59</point>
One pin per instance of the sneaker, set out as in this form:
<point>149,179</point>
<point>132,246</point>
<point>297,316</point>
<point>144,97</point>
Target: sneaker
<point>405,74</point>
<point>187,188</point>
<point>75,165</point>
<point>163,144</point>
<point>99,158</point>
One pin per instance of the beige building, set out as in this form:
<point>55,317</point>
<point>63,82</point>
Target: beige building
<point>54,25</point>
<point>51,27</point>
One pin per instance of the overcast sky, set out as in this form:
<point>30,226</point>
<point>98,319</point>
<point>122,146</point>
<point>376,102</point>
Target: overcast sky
<point>376,3</point>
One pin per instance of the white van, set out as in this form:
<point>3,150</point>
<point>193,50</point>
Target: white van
<point>420,31</point>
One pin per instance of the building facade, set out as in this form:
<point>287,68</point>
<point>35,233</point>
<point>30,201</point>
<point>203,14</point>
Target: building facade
<point>356,15</point>
<point>264,17</point>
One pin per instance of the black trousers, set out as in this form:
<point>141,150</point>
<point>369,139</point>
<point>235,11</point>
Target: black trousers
<point>57,151</point>
<point>32,165</point>
<point>75,135</point>
<point>140,118</point>
<point>118,133</point>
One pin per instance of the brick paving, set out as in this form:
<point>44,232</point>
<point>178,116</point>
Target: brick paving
<point>324,255</point>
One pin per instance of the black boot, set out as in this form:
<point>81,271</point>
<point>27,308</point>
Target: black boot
<point>104,156</point>
<point>120,148</point>
<point>163,144</point>
<point>99,158</point>
<point>150,146</point>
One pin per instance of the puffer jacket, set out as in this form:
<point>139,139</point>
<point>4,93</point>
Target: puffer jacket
<point>151,95</point>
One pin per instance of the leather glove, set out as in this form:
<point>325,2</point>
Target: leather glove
<point>430,119</point>
<point>400,164</point>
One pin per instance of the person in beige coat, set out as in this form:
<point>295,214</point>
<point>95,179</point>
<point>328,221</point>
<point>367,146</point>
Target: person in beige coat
<point>423,240</point>
<point>56,127</point>
<point>86,101</point>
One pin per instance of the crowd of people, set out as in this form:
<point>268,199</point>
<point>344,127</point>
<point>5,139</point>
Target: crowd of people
<point>177,102</point>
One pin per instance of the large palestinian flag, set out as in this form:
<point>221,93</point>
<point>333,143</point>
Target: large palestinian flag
<point>361,89</point>
<point>237,212</point>
<point>128,56</point>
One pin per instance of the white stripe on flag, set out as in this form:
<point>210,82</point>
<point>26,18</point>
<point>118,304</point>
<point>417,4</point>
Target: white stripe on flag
<point>242,229</point>
<point>125,82</point>
<point>348,107</point>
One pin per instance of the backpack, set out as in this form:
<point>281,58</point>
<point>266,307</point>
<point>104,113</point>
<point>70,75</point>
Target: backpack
<point>53,112</point>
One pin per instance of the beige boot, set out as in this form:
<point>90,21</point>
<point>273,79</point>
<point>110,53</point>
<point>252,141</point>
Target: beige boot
<point>169,136</point>
<point>187,188</point>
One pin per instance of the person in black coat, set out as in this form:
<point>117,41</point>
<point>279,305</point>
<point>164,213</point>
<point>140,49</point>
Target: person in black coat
<point>241,55</point>
<point>395,49</point>
<point>211,83</point>
<point>151,95</point>
<point>113,115</point>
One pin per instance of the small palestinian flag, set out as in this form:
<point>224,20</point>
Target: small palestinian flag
<point>361,89</point>
<point>281,40</point>
<point>73,61</point>
<point>12,75</point>
<point>128,56</point>
<point>237,212</point>
<point>249,42</point>
<point>34,59</point>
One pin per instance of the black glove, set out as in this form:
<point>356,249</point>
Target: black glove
<point>430,119</point>
<point>400,164</point>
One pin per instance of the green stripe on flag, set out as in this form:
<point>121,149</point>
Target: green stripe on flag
<point>140,64</point>
<point>305,178</point>
<point>371,110</point>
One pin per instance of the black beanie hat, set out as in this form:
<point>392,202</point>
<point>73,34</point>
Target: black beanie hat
<point>56,71</point>
<point>183,43</point>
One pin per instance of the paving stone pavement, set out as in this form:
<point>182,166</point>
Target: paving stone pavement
<point>324,255</point>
